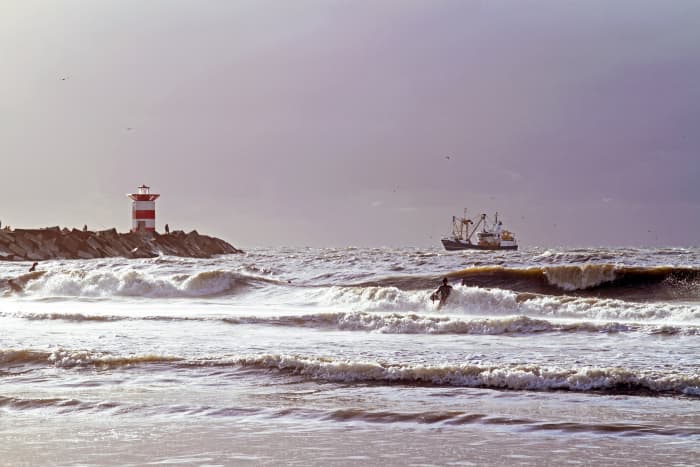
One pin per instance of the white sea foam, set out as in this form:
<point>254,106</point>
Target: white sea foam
<point>500,376</point>
<point>463,300</point>
<point>521,377</point>
<point>484,301</point>
<point>134,283</point>
<point>415,323</point>
<point>66,358</point>
<point>69,358</point>
<point>395,323</point>
<point>580,277</point>
<point>609,309</point>
<point>64,316</point>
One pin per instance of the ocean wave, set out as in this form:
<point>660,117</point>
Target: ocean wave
<point>78,317</point>
<point>62,358</point>
<point>64,317</point>
<point>68,359</point>
<point>505,376</point>
<point>494,301</point>
<point>610,280</point>
<point>130,283</point>
<point>607,279</point>
<point>454,417</point>
<point>63,405</point>
<point>398,323</point>
<point>346,415</point>
<point>582,277</point>
<point>10,357</point>
<point>351,302</point>
<point>413,323</point>
<point>516,377</point>
<point>603,280</point>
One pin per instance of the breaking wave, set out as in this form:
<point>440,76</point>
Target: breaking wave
<point>130,283</point>
<point>609,280</point>
<point>22,356</point>
<point>505,376</point>
<point>587,280</point>
<point>486,301</point>
<point>68,359</point>
<point>519,377</point>
<point>65,317</point>
<point>412,323</point>
<point>495,311</point>
<point>400,323</point>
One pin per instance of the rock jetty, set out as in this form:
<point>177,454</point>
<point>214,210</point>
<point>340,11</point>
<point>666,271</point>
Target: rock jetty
<point>57,243</point>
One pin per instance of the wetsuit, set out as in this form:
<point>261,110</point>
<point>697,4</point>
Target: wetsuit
<point>444,292</point>
<point>441,294</point>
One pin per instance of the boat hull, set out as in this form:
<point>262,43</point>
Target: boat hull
<point>454,245</point>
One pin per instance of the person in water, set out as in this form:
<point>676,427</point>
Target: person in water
<point>442,293</point>
<point>33,268</point>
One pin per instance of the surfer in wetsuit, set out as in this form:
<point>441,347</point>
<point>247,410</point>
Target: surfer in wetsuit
<point>33,268</point>
<point>442,293</point>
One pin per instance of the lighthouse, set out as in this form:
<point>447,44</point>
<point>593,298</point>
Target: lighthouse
<point>143,210</point>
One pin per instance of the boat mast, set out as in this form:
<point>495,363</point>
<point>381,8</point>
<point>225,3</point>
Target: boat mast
<point>482,219</point>
<point>464,226</point>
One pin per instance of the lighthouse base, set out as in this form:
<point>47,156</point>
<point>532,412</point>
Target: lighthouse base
<point>56,243</point>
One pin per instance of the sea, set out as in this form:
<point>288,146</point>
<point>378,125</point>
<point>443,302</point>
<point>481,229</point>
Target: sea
<point>338,356</point>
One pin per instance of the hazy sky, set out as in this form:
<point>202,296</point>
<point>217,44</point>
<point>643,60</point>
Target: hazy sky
<point>328,123</point>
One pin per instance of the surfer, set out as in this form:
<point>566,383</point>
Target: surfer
<point>442,293</point>
<point>33,268</point>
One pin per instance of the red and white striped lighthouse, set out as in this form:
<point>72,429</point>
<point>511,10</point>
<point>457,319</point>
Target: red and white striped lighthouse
<point>143,210</point>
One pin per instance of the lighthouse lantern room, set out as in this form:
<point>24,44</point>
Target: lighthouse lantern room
<point>143,210</point>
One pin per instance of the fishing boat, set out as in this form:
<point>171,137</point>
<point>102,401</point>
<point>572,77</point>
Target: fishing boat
<point>492,236</point>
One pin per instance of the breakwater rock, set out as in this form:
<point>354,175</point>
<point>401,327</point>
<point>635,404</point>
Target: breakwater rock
<point>56,243</point>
